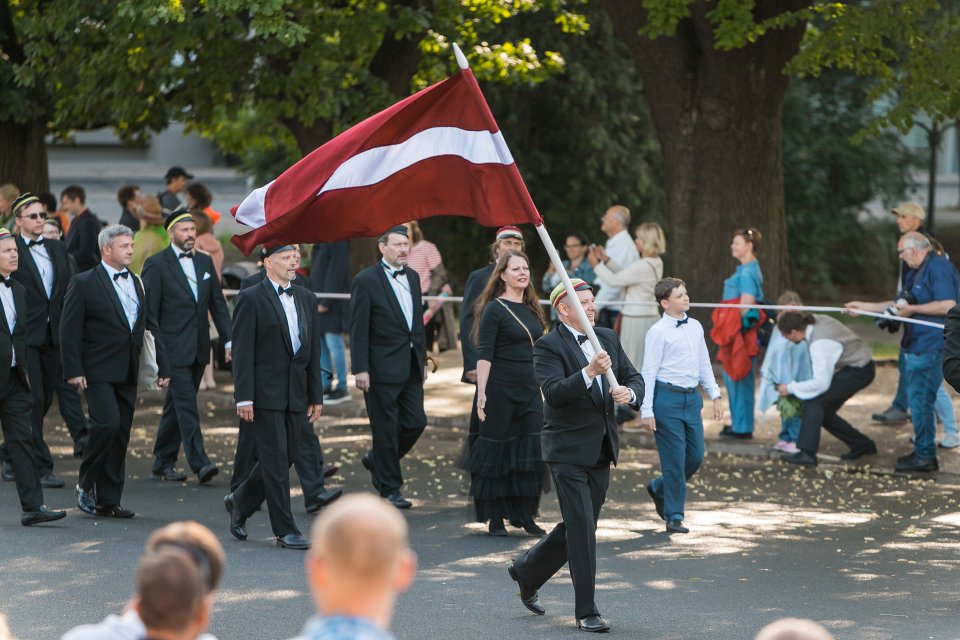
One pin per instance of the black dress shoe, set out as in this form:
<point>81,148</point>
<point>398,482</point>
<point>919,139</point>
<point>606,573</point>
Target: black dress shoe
<point>496,528</point>
<point>728,432</point>
<point>396,499</point>
<point>85,501</point>
<point>906,458</point>
<point>41,515</point>
<point>657,500</point>
<point>293,541</point>
<point>237,520</point>
<point>533,529</point>
<point>322,499</point>
<point>367,461</point>
<point>917,464</point>
<point>855,454</point>
<point>114,511</point>
<point>7,472</point>
<point>594,624</point>
<point>528,595</point>
<point>676,526</point>
<point>169,474</point>
<point>206,473</point>
<point>330,470</point>
<point>802,458</point>
<point>51,481</point>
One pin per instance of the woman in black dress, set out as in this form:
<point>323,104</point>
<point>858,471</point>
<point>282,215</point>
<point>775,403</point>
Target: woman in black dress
<point>507,473</point>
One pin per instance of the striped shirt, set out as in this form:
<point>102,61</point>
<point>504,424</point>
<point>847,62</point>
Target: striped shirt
<point>423,258</point>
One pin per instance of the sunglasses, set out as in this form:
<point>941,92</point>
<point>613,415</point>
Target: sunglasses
<point>33,216</point>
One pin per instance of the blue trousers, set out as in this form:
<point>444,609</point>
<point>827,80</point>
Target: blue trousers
<point>924,376</point>
<point>679,438</point>
<point>942,408</point>
<point>333,350</point>
<point>789,429</point>
<point>741,393</point>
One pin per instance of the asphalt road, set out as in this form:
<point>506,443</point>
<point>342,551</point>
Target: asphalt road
<point>871,556</point>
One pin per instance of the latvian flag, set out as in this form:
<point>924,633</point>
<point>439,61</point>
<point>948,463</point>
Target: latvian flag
<point>438,152</point>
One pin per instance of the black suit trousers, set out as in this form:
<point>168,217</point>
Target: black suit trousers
<point>308,460</point>
<point>43,368</point>
<point>581,492</point>
<point>823,409</point>
<point>276,435</point>
<point>397,420</point>
<point>103,467</point>
<point>15,405</point>
<point>180,422</point>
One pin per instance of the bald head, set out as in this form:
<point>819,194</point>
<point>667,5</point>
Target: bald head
<point>793,629</point>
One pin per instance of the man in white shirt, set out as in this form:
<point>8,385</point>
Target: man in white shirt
<point>623,251</point>
<point>675,362</point>
<point>842,364</point>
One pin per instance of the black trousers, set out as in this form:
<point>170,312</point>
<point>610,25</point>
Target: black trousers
<point>823,409</point>
<point>581,492</point>
<point>180,422</point>
<point>15,405</point>
<point>275,435</point>
<point>397,420</point>
<point>43,367</point>
<point>103,468</point>
<point>308,459</point>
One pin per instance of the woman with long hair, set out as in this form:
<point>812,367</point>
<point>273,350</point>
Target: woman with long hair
<point>507,473</point>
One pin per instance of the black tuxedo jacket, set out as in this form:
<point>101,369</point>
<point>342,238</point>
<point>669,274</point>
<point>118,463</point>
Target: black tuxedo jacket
<point>329,273</point>
<point>181,318</point>
<point>379,338</point>
<point>574,421</point>
<point>39,307</point>
<point>95,338</point>
<point>265,368</point>
<point>476,282</point>
<point>82,240</point>
<point>15,342</point>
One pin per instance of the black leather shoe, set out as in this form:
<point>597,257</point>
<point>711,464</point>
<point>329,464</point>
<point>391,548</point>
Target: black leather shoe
<point>237,521</point>
<point>528,595</point>
<point>396,499</point>
<point>85,501</point>
<point>728,432</point>
<point>906,458</point>
<point>657,500</point>
<point>594,624</point>
<point>41,515</point>
<point>367,461</point>
<point>496,528</point>
<point>918,464</point>
<point>293,541</point>
<point>855,454</point>
<point>114,511</point>
<point>802,458</point>
<point>330,470</point>
<point>7,472</point>
<point>322,499</point>
<point>51,481</point>
<point>206,473</point>
<point>676,526</point>
<point>169,474</point>
<point>533,529</point>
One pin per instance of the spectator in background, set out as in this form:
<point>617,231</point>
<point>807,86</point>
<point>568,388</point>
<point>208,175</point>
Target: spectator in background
<point>52,229</point>
<point>207,243</point>
<point>359,564</point>
<point>8,193</point>
<point>152,238</point>
<point>577,266</point>
<point>329,273</point>
<point>793,629</point>
<point>199,198</point>
<point>52,207</point>
<point>84,228</point>
<point>622,250</point>
<point>425,259</point>
<point>176,180</point>
<point>130,199</point>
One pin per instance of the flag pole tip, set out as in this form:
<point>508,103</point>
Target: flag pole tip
<point>461,59</point>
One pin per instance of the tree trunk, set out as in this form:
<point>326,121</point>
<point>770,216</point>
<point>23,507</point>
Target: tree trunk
<point>717,119</point>
<point>24,160</point>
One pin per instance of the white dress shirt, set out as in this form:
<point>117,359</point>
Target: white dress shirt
<point>401,288</point>
<point>189,270</point>
<point>622,251</point>
<point>676,354</point>
<point>127,292</point>
<point>44,265</point>
<point>589,352</point>
<point>9,310</point>
<point>824,356</point>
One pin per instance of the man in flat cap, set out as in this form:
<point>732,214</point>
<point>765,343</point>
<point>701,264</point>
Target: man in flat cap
<point>176,181</point>
<point>276,373</point>
<point>387,353</point>
<point>182,289</point>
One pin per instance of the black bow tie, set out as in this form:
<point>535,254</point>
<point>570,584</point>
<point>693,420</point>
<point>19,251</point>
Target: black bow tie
<point>582,338</point>
<point>121,274</point>
<point>186,254</point>
<point>683,321</point>
<point>8,282</point>
<point>31,243</point>
<point>281,291</point>
<point>399,272</point>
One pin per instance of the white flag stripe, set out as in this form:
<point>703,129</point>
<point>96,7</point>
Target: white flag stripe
<point>251,211</point>
<point>377,164</point>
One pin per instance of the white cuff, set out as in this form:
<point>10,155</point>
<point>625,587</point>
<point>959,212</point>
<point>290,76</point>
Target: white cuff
<point>229,345</point>
<point>586,378</point>
<point>245,403</point>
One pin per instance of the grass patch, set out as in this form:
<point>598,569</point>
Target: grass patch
<point>885,351</point>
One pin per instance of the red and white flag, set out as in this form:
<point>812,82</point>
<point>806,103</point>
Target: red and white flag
<point>438,152</point>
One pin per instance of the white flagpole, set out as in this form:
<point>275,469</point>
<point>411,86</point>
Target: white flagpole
<point>557,264</point>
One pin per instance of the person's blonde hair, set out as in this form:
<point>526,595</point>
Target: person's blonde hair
<point>9,192</point>
<point>652,237</point>
<point>794,629</point>
<point>790,297</point>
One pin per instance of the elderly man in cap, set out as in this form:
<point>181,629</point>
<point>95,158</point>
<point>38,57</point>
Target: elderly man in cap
<point>388,351</point>
<point>182,291</point>
<point>176,181</point>
<point>277,376</point>
<point>15,401</point>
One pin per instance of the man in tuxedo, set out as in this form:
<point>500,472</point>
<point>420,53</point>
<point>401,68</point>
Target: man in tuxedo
<point>15,402</point>
<point>84,229</point>
<point>44,273</point>
<point>579,443</point>
<point>388,352</point>
<point>182,289</point>
<point>276,373</point>
<point>101,336</point>
<point>308,460</point>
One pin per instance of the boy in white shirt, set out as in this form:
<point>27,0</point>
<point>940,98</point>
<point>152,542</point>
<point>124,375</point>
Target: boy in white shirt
<point>675,362</point>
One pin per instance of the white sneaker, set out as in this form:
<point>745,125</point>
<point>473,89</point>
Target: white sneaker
<point>786,447</point>
<point>950,441</point>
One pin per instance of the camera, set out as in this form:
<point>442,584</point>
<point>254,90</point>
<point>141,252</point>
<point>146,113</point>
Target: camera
<point>905,297</point>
